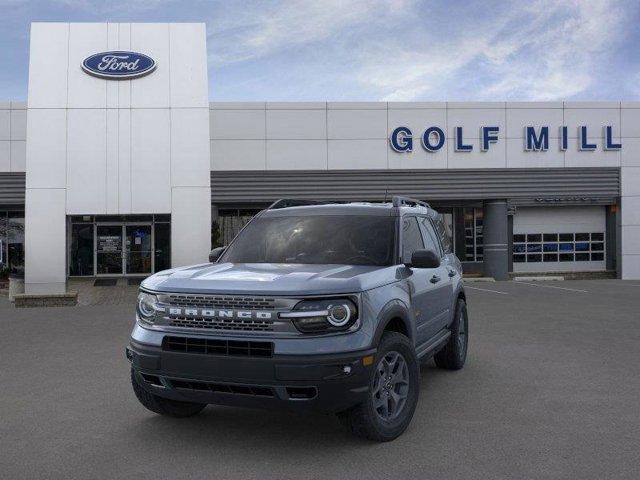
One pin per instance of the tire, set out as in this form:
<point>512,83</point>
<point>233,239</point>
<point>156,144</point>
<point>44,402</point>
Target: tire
<point>454,354</point>
<point>368,419</point>
<point>164,406</point>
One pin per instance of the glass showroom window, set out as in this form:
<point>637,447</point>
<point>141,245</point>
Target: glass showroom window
<point>558,247</point>
<point>473,240</point>
<point>14,235</point>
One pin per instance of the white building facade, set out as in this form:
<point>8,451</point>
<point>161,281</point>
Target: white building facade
<point>127,176</point>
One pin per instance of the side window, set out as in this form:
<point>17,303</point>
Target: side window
<point>411,238</point>
<point>430,239</point>
<point>443,233</point>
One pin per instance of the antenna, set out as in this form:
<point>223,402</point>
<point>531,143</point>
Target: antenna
<point>386,191</point>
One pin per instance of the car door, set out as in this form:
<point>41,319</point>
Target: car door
<point>441,280</point>
<point>421,287</point>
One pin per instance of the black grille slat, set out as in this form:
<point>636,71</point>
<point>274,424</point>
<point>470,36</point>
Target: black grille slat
<point>252,390</point>
<point>222,323</point>
<point>218,347</point>
<point>220,301</point>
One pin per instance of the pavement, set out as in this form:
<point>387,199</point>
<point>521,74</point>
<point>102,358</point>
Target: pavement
<point>551,390</point>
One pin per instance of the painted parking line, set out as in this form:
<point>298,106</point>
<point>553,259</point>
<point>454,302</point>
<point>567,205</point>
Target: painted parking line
<point>484,290</point>
<point>552,286</point>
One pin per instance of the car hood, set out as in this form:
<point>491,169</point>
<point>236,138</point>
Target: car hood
<point>270,279</point>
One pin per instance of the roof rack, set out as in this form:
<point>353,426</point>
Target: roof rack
<point>399,201</point>
<point>290,202</point>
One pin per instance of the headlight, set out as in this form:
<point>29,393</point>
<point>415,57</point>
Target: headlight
<point>324,315</point>
<point>146,307</point>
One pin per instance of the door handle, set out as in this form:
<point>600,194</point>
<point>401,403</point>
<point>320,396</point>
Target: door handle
<point>434,279</point>
<point>452,273</point>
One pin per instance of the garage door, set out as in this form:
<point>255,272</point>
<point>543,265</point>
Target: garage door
<point>559,239</point>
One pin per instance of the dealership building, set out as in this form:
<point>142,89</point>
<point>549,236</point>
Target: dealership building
<point>118,165</point>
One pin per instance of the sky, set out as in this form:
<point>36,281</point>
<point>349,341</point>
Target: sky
<point>377,50</point>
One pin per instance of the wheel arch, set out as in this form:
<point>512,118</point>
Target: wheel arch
<point>395,317</point>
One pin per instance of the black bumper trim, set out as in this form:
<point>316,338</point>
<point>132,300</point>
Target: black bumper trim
<point>326,383</point>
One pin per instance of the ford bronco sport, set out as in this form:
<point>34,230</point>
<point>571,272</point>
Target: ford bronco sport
<point>325,307</point>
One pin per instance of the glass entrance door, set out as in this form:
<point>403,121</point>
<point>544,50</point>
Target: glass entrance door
<point>109,250</point>
<point>138,249</point>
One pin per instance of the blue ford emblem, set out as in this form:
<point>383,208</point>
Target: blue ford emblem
<point>118,65</point>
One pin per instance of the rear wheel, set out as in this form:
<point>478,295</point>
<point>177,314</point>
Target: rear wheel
<point>393,392</point>
<point>164,406</point>
<point>454,354</point>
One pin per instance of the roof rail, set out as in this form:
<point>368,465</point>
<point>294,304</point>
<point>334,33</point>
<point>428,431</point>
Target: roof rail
<point>290,202</point>
<point>399,201</point>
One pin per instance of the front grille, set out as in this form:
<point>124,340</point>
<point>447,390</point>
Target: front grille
<point>223,301</point>
<point>254,390</point>
<point>211,323</point>
<point>208,346</point>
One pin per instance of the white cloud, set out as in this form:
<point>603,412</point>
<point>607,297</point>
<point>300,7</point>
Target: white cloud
<point>546,51</point>
<point>260,29</point>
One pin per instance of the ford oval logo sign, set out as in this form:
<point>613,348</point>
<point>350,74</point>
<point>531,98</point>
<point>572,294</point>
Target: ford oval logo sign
<point>118,65</point>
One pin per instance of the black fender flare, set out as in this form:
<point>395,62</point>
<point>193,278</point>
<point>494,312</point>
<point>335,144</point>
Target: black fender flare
<point>392,310</point>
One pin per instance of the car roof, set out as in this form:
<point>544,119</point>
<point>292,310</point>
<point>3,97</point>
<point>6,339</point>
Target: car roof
<point>352,208</point>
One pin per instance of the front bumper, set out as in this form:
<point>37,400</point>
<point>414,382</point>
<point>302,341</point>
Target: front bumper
<point>326,383</point>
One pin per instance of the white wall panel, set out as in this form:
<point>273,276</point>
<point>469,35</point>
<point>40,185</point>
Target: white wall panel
<point>45,241</point>
<point>495,157</point>
<point>630,120</point>
<point>630,181</point>
<point>124,161</point>
<point>418,120</point>
<point>47,148</point>
<point>238,124</point>
<point>5,156</point>
<point>296,154</point>
<point>5,124</point>
<point>357,124</point>
<point>419,158</point>
<point>517,157</point>
<point>296,124</point>
<point>190,164</point>
<point>238,155</point>
<point>113,43</point>
<point>86,91</point>
<point>124,86</point>
<point>518,118</point>
<point>18,156</point>
<point>86,161</point>
<point>111,162</point>
<point>152,91</point>
<point>630,153</point>
<point>150,161</point>
<point>592,118</point>
<point>357,154</point>
<point>630,211</point>
<point>472,119</point>
<point>48,62</point>
<point>631,239</point>
<point>18,124</point>
<point>188,72</point>
<point>598,158</point>
<point>190,225</point>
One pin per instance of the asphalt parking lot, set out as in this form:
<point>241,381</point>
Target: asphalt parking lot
<point>551,391</point>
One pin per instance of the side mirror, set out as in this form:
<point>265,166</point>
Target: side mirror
<point>425,259</point>
<point>216,253</point>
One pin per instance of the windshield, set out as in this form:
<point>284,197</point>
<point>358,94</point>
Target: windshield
<point>346,240</point>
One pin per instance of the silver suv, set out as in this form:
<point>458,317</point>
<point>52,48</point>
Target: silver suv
<point>325,307</point>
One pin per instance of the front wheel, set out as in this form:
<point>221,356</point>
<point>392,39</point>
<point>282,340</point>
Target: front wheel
<point>393,392</point>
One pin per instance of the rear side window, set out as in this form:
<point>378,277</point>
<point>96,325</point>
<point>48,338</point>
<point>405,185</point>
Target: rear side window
<point>411,238</point>
<point>430,239</point>
<point>441,230</point>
